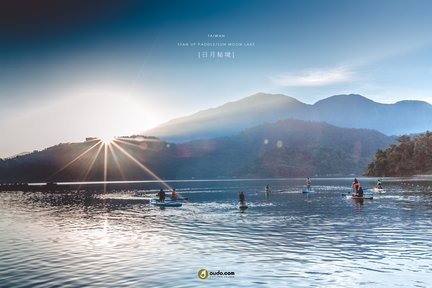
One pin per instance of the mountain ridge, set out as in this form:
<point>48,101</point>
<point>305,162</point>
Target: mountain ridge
<point>348,111</point>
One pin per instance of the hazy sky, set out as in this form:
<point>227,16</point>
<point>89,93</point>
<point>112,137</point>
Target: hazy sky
<point>72,69</point>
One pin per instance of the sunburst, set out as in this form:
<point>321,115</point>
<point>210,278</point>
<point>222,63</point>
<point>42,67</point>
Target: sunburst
<point>113,146</point>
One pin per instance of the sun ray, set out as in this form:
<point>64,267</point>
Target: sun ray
<point>105,165</point>
<point>87,172</point>
<point>142,166</point>
<point>116,161</point>
<point>74,160</point>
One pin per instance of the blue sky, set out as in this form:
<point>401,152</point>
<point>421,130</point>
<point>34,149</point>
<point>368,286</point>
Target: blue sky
<point>71,69</point>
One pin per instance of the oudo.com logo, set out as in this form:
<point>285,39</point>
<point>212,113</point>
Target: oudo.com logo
<point>204,274</point>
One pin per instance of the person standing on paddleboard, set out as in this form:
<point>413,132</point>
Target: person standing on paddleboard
<point>308,184</point>
<point>379,184</point>
<point>161,195</point>
<point>355,186</point>
<point>360,192</point>
<point>242,198</point>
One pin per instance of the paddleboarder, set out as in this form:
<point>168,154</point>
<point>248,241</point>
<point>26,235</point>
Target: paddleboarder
<point>161,195</point>
<point>379,184</point>
<point>242,198</point>
<point>360,192</point>
<point>308,183</point>
<point>174,195</point>
<point>355,186</point>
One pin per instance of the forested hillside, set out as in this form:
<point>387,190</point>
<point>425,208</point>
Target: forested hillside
<point>410,156</point>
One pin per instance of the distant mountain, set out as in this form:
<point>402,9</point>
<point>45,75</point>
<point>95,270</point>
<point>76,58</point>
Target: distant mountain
<point>356,111</point>
<point>283,149</point>
<point>230,118</point>
<point>350,111</point>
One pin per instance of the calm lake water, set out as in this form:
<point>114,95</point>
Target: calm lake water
<point>290,239</point>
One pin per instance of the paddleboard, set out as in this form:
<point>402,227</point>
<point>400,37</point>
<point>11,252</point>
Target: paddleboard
<point>242,206</point>
<point>368,197</point>
<point>308,191</point>
<point>378,190</point>
<point>366,193</point>
<point>156,202</point>
<point>178,198</point>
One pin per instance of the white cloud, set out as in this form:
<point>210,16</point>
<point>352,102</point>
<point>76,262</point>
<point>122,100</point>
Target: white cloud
<point>314,77</point>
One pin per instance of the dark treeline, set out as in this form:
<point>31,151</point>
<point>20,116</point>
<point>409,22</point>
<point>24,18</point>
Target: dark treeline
<point>409,157</point>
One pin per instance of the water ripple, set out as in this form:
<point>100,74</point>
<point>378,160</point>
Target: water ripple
<point>288,239</point>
